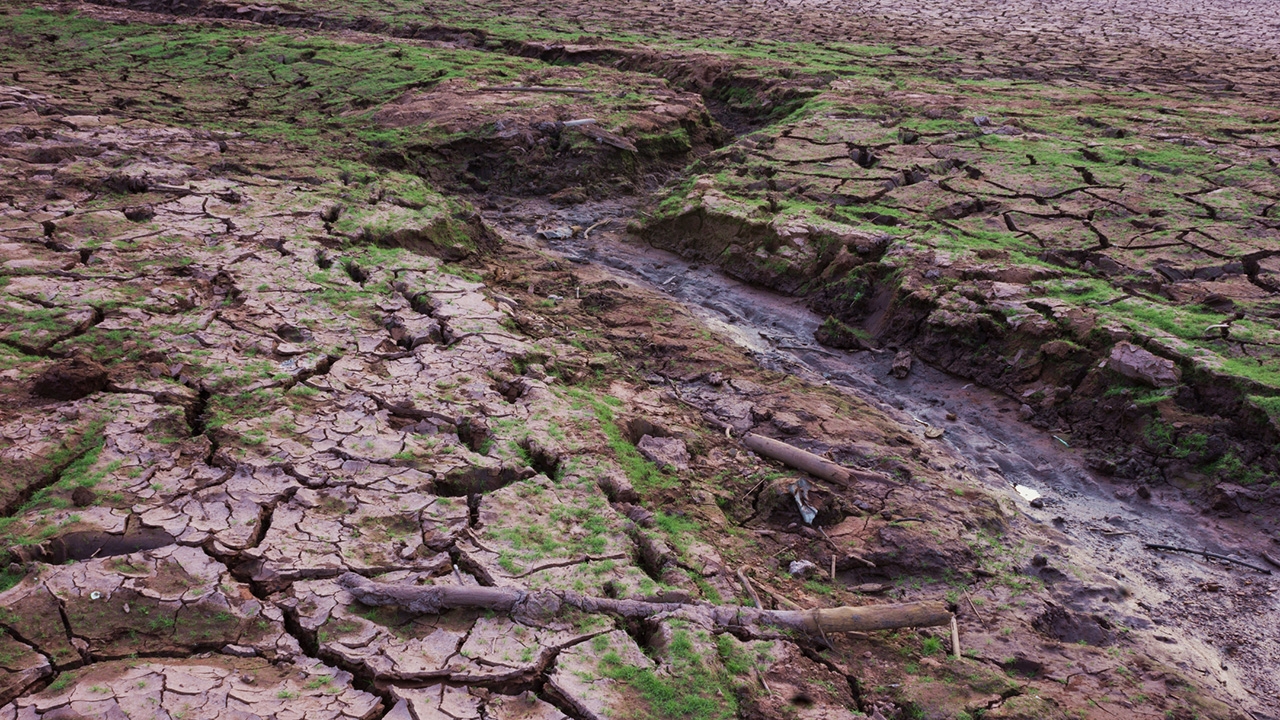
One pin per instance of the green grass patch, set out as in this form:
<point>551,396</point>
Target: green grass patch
<point>694,688</point>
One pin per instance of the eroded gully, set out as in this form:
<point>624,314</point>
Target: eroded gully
<point>1097,524</point>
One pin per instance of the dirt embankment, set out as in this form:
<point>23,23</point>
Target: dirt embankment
<point>1113,295</point>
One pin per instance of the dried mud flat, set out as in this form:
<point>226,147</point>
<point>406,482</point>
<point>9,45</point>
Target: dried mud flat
<point>292,293</point>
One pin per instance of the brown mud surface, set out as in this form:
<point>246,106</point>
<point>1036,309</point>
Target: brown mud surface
<point>487,294</point>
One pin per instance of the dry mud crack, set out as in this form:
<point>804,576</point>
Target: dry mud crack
<point>487,294</point>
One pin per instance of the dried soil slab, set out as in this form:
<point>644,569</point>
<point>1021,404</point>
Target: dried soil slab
<point>174,599</point>
<point>444,702</point>
<point>20,667</point>
<point>229,511</point>
<point>215,686</point>
<point>456,646</point>
<point>323,533</point>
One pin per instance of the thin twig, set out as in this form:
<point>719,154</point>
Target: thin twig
<point>587,233</point>
<point>471,534</point>
<point>777,596</point>
<point>750,590</point>
<point>974,608</point>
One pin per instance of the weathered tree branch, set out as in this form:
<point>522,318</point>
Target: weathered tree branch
<point>432,600</point>
<point>1215,556</point>
<point>815,465</point>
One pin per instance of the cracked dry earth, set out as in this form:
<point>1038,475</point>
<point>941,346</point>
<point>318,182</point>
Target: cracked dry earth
<point>294,292</point>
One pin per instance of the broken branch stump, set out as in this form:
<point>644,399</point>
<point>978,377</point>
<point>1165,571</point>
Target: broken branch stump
<point>432,600</point>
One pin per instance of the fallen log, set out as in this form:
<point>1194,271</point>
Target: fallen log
<point>432,600</point>
<point>1204,553</point>
<point>792,456</point>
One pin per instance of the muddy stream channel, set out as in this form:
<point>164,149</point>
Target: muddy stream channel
<point>1209,618</point>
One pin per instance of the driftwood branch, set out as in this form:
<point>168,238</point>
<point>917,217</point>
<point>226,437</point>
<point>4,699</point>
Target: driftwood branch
<point>815,465</point>
<point>1215,556</point>
<point>432,600</point>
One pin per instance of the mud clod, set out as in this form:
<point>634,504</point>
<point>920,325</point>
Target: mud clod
<point>71,379</point>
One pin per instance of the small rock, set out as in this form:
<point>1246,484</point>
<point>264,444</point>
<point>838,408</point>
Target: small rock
<point>1136,363</point>
<point>559,233</point>
<point>141,213</point>
<point>952,416</point>
<point>664,452</point>
<point>71,379</point>
<point>637,515</point>
<point>239,651</point>
<point>1144,492</point>
<point>982,121</point>
<point>901,364</point>
<point>1039,560</point>
<point>617,488</point>
<point>716,379</point>
<point>83,496</point>
<point>1026,412</point>
<point>801,568</point>
<point>788,423</point>
<point>1038,503</point>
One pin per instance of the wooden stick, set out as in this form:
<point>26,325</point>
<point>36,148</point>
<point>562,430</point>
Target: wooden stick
<point>1215,556</point>
<point>974,608</point>
<point>777,596</point>
<point>955,637</point>
<point>742,577</point>
<point>434,599</point>
<point>1271,560</point>
<point>861,559</point>
<point>538,89</point>
<point>833,567</point>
